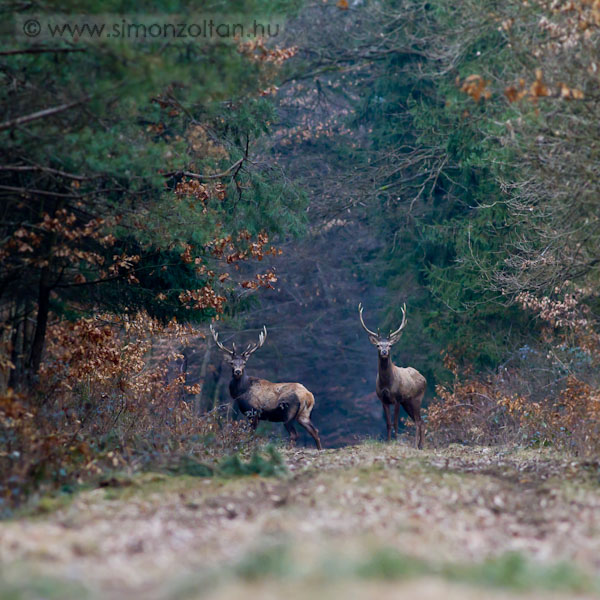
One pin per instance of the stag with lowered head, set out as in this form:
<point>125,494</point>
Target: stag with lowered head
<point>397,386</point>
<point>261,400</point>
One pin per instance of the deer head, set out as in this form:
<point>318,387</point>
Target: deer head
<point>237,359</point>
<point>383,344</point>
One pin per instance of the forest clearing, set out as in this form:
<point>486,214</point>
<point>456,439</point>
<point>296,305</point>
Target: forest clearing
<point>299,298</point>
<point>368,519</point>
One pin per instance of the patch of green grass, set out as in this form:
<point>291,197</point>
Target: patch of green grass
<point>514,571</point>
<point>188,465</point>
<point>509,571</point>
<point>49,503</point>
<point>40,504</point>
<point>269,463</point>
<point>374,443</point>
<point>275,561</point>
<point>36,587</point>
<point>388,563</point>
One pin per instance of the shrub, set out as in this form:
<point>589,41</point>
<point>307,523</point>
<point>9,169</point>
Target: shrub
<point>105,400</point>
<point>549,395</point>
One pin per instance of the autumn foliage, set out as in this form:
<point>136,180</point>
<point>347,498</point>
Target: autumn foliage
<point>108,398</point>
<point>512,405</point>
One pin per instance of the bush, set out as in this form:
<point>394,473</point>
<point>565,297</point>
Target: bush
<point>267,464</point>
<point>505,408</point>
<point>544,396</point>
<point>103,402</point>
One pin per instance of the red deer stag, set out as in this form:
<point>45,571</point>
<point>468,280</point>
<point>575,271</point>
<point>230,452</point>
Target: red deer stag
<point>397,385</point>
<point>261,400</point>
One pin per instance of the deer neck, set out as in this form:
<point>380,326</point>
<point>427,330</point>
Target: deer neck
<point>386,369</point>
<point>237,387</point>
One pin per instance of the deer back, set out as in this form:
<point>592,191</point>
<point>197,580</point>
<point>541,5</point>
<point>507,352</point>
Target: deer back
<point>266,396</point>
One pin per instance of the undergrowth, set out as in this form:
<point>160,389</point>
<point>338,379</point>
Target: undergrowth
<point>269,463</point>
<point>108,401</point>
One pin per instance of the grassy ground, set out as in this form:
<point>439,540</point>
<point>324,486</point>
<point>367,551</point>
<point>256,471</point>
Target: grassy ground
<point>372,520</point>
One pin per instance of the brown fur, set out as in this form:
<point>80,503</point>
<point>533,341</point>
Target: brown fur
<point>397,386</point>
<point>404,387</point>
<point>266,395</point>
<point>263,400</point>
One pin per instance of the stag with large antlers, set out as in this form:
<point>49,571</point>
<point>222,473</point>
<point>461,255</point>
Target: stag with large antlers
<point>396,386</point>
<point>261,400</point>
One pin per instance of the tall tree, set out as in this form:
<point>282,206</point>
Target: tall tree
<point>127,174</point>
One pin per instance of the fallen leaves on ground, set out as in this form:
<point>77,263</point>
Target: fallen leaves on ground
<point>453,506</point>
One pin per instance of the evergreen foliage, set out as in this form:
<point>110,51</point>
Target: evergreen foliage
<point>98,211</point>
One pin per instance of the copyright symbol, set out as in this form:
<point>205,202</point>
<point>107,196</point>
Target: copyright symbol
<point>32,28</point>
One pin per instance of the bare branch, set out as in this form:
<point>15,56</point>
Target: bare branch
<point>40,51</point>
<point>225,173</point>
<point>41,114</point>
<point>19,168</point>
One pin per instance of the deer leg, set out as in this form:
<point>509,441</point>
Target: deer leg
<point>413,408</point>
<point>388,421</point>
<point>289,426</point>
<point>307,424</point>
<point>396,417</point>
<point>420,425</point>
<point>420,434</point>
<point>419,421</point>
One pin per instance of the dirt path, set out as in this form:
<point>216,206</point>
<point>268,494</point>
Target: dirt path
<point>361,521</point>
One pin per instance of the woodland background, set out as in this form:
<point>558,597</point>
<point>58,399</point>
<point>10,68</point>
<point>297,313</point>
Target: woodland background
<point>442,154</point>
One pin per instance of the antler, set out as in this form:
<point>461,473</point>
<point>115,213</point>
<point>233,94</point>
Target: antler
<point>395,335</point>
<point>218,343</point>
<point>371,333</point>
<point>254,347</point>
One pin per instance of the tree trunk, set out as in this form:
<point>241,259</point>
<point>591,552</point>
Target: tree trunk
<point>203,369</point>
<point>183,367</point>
<point>16,346</point>
<point>41,324</point>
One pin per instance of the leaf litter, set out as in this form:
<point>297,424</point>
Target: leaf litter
<point>345,511</point>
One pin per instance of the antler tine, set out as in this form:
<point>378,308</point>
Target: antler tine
<point>395,335</point>
<point>261,340</point>
<point>360,316</point>
<point>218,343</point>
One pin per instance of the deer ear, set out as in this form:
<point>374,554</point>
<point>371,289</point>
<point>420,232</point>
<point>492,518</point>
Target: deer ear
<point>373,340</point>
